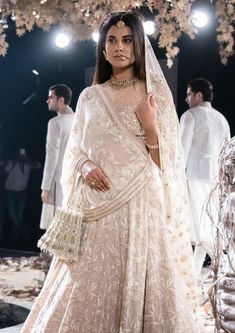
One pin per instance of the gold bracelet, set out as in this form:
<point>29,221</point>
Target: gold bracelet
<point>156,146</point>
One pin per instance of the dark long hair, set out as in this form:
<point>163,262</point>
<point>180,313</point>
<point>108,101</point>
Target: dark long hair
<point>103,70</point>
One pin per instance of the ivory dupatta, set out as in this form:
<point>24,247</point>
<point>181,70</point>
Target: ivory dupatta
<point>100,135</point>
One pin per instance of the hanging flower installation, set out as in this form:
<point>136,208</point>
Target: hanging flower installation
<point>82,17</point>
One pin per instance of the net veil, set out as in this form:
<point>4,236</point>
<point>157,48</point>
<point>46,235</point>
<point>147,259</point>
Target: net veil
<point>177,211</point>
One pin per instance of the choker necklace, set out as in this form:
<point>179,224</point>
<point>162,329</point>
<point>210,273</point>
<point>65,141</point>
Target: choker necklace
<point>115,83</point>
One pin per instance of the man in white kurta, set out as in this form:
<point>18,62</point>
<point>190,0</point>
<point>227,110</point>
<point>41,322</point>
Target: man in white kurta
<point>57,137</point>
<point>203,131</point>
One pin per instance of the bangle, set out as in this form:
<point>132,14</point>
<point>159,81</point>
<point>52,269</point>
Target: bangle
<point>156,146</point>
<point>82,160</point>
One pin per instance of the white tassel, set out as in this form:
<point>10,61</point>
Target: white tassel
<point>63,237</point>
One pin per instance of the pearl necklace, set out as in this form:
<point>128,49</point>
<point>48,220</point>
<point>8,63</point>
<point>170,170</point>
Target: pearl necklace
<point>120,84</point>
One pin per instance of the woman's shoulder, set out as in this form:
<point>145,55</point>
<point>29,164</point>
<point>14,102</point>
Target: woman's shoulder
<point>92,91</point>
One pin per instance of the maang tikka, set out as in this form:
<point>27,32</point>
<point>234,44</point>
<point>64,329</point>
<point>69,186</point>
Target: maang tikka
<point>120,24</point>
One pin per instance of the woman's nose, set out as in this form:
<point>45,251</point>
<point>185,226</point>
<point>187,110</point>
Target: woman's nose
<point>119,45</point>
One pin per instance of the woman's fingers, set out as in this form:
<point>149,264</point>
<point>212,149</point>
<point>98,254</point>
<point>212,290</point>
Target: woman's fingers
<point>146,113</point>
<point>97,180</point>
<point>150,100</point>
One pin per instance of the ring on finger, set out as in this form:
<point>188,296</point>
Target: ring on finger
<point>93,183</point>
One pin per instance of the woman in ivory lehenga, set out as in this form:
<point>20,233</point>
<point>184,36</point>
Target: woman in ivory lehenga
<point>123,170</point>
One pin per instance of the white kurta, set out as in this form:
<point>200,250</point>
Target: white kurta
<point>57,137</point>
<point>203,131</point>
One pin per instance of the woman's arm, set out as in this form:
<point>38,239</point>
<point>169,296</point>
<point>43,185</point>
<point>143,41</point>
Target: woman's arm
<point>76,160</point>
<point>147,117</point>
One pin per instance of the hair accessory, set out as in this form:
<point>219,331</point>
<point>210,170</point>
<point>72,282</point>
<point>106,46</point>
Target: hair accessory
<point>120,84</point>
<point>106,19</point>
<point>120,24</point>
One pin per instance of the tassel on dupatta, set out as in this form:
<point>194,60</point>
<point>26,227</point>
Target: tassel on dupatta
<point>63,236</point>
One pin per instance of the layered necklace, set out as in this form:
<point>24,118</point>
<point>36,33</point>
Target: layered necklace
<point>120,84</point>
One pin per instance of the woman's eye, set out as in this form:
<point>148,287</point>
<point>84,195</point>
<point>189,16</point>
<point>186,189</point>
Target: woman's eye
<point>111,40</point>
<point>128,40</point>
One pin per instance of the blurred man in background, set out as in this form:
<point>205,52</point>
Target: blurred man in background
<point>59,99</point>
<point>203,131</point>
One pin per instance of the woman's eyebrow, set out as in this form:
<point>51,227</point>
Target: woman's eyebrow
<point>122,36</point>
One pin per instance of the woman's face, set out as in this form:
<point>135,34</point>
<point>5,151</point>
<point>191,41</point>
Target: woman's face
<point>119,47</point>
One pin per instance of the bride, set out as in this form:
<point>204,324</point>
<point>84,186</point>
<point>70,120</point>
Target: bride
<point>134,271</point>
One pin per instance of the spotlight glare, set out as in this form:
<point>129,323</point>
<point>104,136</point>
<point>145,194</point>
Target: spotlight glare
<point>95,36</point>
<point>35,72</point>
<point>62,40</point>
<point>199,19</point>
<point>149,27</point>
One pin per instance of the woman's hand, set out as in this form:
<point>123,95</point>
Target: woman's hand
<point>95,177</point>
<point>147,115</point>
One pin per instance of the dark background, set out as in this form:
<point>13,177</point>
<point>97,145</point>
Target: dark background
<point>26,125</point>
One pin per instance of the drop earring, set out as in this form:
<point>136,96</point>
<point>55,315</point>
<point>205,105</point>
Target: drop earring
<point>105,55</point>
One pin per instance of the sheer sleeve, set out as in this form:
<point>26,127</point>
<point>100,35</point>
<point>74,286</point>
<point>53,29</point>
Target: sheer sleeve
<point>176,208</point>
<point>74,157</point>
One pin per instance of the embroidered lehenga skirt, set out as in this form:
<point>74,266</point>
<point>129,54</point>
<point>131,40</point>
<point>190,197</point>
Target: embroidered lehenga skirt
<point>126,280</point>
